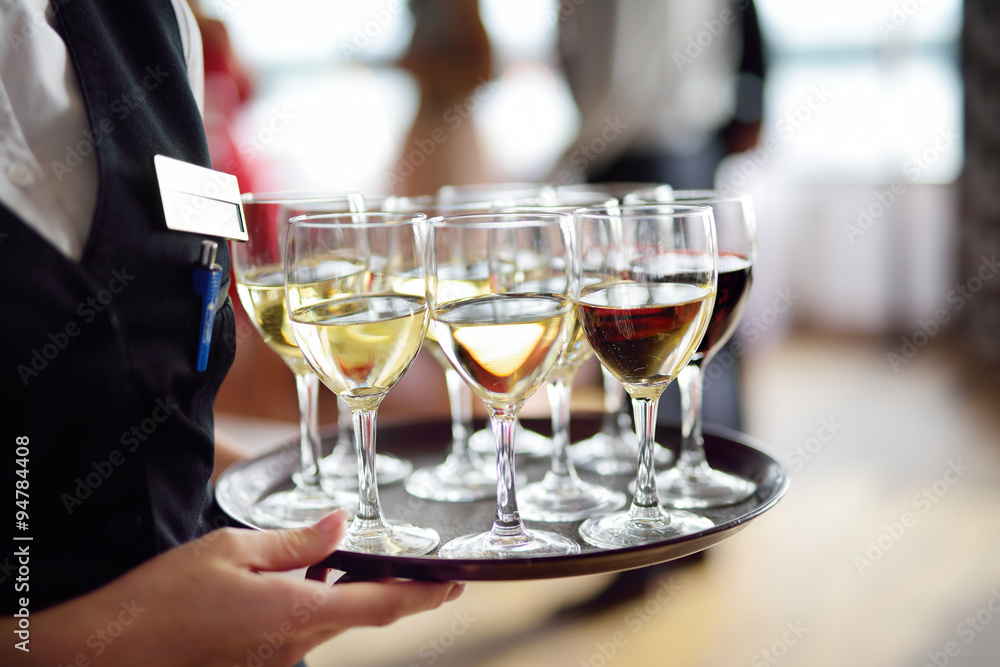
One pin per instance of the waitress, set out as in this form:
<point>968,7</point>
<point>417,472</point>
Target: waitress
<point>106,421</point>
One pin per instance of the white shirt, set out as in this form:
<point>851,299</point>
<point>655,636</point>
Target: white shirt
<point>663,78</point>
<point>48,170</point>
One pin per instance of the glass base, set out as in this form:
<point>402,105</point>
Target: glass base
<point>300,507</point>
<point>648,525</point>
<point>608,455</point>
<point>526,443</point>
<point>529,544</point>
<point>394,538</point>
<point>454,481</point>
<point>562,498</point>
<point>338,473</point>
<point>703,488</point>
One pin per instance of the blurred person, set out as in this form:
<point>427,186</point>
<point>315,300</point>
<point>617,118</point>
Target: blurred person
<point>979,202</point>
<point>666,89</point>
<point>449,57</point>
<point>101,392</point>
<point>229,87</point>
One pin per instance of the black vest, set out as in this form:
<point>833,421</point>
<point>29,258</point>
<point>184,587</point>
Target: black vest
<point>98,356</point>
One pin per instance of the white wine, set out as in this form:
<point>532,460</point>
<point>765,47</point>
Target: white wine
<point>263,297</point>
<point>447,290</point>
<point>360,346</point>
<point>452,290</point>
<point>578,348</point>
<point>577,351</point>
<point>325,278</point>
<point>504,346</point>
<point>262,293</point>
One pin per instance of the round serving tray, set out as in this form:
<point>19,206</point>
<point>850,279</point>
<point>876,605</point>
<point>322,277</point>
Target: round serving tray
<point>424,443</point>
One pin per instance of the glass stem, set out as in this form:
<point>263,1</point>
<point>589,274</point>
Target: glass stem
<point>645,503</point>
<point>508,521</point>
<point>610,424</point>
<point>460,400</point>
<point>369,511</point>
<point>624,446</point>
<point>344,454</point>
<point>307,387</point>
<point>560,392</point>
<point>692,455</point>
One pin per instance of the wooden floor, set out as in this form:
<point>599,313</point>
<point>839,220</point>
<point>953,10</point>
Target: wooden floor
<point>885,552</point>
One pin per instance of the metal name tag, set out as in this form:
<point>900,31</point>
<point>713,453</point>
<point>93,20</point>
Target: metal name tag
<point>200,200</point>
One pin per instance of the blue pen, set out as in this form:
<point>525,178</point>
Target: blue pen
<point>207,278</point>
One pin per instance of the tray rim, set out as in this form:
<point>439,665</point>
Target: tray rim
<point>372,566</point>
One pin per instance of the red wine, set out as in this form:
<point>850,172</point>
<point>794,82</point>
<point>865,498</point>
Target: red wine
<point>644,334</point>
<point>735,276</point>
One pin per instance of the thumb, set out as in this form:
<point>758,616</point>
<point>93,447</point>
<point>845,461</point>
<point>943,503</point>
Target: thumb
<point>281,550</point>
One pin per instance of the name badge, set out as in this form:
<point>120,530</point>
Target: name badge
<point>200,200</point>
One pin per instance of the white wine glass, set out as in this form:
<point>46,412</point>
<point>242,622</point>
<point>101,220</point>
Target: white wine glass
<point>340,467</point>
<point>692,483</point>
<point>561,495</point>
<point>360,335</point>
<point>257,265</point>
<point>450,195</point>
<point>504,335</point>
<point>497,196</point>
<point>337,471</point>
<point>651,274</point>
<point>463,476</point>
<point>617,189</point>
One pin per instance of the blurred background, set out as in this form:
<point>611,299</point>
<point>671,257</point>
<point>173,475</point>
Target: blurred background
<point>865,131</point>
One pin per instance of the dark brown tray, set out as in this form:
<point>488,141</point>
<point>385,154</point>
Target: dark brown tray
<point>424,443</point>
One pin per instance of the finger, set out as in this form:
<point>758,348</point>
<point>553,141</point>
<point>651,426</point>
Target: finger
<point>280,550</point>
<point>368,603</point>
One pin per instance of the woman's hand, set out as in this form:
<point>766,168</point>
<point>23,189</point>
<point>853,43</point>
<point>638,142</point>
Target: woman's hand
<point>210,602</point>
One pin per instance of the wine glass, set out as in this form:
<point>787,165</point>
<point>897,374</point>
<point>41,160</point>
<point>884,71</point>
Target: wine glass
<point>651,274</point>
<point>449,195</point>
<point>257,265</point>
<point>496,196</point>
<point>692,483</point>
<point>462,477</point>
<point>617,189</point>
<point>504,334</point>
<point>340,466</point>
<point>561,495</point>
<point>612,450</point>
<point>360,335</point>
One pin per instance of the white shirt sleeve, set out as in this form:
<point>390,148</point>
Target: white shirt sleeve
<point>48,169</point>
<point>194,54</point>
